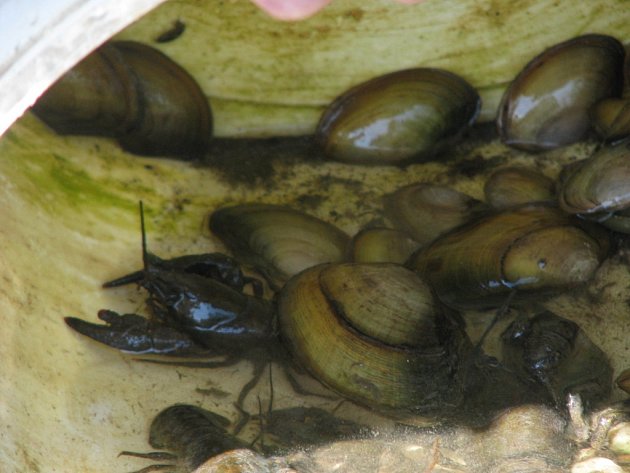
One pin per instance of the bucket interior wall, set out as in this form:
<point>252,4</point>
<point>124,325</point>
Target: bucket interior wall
<point>70,218</point>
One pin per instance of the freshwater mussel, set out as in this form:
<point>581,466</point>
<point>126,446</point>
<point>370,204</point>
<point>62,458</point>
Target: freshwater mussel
<point>135,94</point>
<point>530,248</point>
<point>599,187</point>
<point>277,240</point>
<point>381,245</point>
<point>511,186</point>
<point>373,333</point>
<point>398,117</point>
<point>611,116</point>
<point>549,102</point>
<point>425,211</point>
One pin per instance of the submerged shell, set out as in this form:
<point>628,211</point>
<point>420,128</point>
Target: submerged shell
<point>96,97</point>
<point>371,333</point>
<point>618,221</point>
<point>530,248</point>
<point>599,184</point>
<point>277,240</point>
<point>382,245</point>
<point>426,211</point>
<point>611,119</point>
<point>175,117</point>
<point>548,103</point>
<point>134,93</point>
<point>397,117</point>
<point>623,381</point>
<point>512,186</point>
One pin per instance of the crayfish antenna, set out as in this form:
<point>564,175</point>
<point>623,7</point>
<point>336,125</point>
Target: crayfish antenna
<point>136,276</point>
<point>145,259</point>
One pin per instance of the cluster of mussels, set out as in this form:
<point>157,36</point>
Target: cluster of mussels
<point>136,94</point>
<point>376,318</point>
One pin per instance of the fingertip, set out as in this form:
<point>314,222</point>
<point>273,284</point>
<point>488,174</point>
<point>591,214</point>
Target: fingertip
<point>291,10</point>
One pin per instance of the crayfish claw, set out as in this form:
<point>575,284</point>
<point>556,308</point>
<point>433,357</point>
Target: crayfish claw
<point>133,333</point>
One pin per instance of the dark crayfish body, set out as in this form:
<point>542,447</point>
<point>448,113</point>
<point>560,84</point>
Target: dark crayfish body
<point>200,314</point>
<point>197,307</point>
<point>191,435</point>
<point>214,314</point>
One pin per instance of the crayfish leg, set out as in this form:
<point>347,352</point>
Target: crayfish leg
<point>161,456</point>
<point>135,277</point>
<point>228,361</point>
<point>157,456</point>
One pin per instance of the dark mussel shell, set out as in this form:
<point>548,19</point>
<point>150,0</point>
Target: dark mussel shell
<point>598,188</point>
<point>548,103</point>
<point>611,119</point>
<point>398,117</point>
<point>134,93</point>
<point>175,117</point>
<point>425,211</point>
<point>373,333</point>
<point>598,185</point>
<point>381,245</point>
<point>98,96</point>
<point>611,116</point>
<point>531,249</point>
<point>511,186</point>
<point>277,240</point>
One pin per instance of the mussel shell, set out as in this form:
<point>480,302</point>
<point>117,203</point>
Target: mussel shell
<point>381,245</point>
<point>512,186</point>
<point>426,211</point>
<point>611,118</point>
<point>532,249</point>
<point>399,309</point>
<point>397,117</point>
<point>136,94</point>
<point>277,240</point>
<point>318,309</point>
<point>548,103</point>
<point>623,380</point>
<point>618,221</point>
<point>174,117</point>
<point>96,97</point>
<point>599,184</point>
